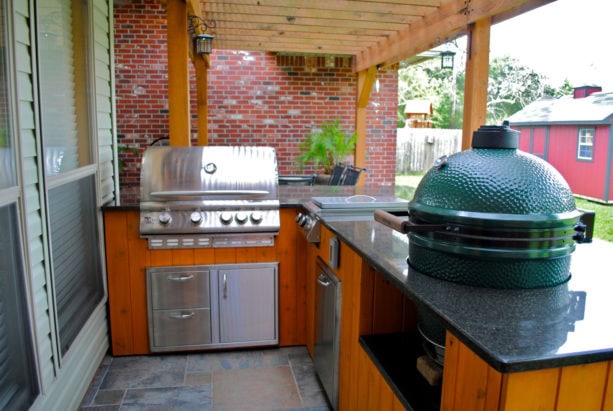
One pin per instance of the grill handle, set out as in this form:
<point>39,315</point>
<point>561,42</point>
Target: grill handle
<point>403,226</point>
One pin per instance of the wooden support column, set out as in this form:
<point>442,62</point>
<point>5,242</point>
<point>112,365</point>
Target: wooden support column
<point>477,73</point>
<point>178,75</point>
<point>201,66</point>
<point>366,78</point>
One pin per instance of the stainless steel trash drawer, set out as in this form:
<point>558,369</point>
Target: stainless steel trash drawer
<point>178,287</point>
<point>179,328</point>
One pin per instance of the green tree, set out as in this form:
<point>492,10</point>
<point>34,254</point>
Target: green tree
<point>511,87</point>
<point>428,81</point>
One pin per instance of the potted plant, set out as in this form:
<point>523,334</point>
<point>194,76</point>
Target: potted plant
<point>326,147</point>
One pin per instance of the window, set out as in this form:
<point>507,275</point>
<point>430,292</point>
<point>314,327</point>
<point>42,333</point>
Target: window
<point>70,179</point>
<point>585,145</point>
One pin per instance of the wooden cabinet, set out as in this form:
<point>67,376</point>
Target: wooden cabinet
<point>469,383</point>
<point>369,305</point>
<point>127,258</point>
<point>373,306</point>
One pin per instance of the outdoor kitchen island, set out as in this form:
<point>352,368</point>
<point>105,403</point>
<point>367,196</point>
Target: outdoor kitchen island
<point>548,348</point>
<point>505,349</point>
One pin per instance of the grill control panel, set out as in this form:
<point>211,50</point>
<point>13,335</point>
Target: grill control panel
<point>210,221</point>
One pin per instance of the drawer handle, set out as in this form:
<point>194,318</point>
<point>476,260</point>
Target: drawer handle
<point>180,278</point>
<point>225,286</point>
<point>182,316</point>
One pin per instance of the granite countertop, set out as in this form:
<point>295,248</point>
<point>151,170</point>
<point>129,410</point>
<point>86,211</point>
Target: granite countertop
<point>289,195</point>
<point>512,330</point>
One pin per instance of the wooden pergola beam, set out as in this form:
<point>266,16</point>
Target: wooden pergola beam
<point>446,23</point>
<point>366,79</point>
<point>477,74</point>
<point>178,77</point>
<point>201,66</point>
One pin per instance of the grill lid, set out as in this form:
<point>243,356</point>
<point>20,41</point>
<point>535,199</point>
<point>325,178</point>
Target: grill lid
<point>494,184</point>
<point>208,172</point>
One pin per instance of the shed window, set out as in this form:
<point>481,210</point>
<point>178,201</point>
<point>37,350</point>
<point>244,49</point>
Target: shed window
<point>585,145</point>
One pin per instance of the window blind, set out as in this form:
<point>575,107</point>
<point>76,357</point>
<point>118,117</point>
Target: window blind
<point>76,262</point>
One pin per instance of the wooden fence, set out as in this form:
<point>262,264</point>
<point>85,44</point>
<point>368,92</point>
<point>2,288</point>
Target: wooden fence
<point>417,148</point>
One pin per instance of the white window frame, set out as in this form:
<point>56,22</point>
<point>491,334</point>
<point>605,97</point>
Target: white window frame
<point>585,138</point>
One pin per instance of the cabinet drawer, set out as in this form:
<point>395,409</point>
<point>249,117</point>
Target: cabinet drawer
<point>177,288</point>
<point>175,328</point>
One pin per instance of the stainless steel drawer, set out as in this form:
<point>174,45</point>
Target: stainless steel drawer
<point>174,288</point>
<point>176,328</point>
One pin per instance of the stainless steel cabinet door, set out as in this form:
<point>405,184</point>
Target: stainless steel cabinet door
<point>247,304</point>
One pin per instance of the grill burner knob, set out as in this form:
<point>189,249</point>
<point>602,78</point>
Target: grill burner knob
<point>257,217</point>
<point>226,217</point>
<point>241,218</point>
<point>164,218</point>
<point>303,220</point>
<point>196,217</point>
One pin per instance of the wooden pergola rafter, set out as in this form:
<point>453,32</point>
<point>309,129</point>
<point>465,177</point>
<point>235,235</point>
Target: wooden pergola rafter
<point>376,33</point>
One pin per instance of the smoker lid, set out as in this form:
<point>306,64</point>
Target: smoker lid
<point>209,172</point>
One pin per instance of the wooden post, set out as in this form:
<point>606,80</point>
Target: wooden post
<point>366,79</point>
<point>178,75</point>
<point>201,66</point>
<point>477,73</point>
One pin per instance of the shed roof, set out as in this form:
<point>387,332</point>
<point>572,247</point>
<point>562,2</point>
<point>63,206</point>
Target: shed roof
<point>595,108</point>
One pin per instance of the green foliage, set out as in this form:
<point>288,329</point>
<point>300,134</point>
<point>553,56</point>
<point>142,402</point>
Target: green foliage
<point>326,147</point>
<point>603,228</point>
<point>430,82</point>
<point>121,148</point>
<point>4,138</point>
<point>511,86</point>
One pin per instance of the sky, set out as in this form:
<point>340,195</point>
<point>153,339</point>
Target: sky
<point>566,39</point>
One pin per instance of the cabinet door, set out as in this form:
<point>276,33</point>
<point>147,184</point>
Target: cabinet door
<point>247,304</point>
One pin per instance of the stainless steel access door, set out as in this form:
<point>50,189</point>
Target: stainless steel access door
<point>248,304</point>
<point>327,330</point>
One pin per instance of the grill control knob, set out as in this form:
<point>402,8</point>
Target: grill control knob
<point>226,217</point>
<point>241,218</point>
<point>257,217</point>
<point>304,221</point>
<point>164,218</point>
<point>196,217</point>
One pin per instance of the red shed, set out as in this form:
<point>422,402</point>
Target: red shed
<point>573,134</point>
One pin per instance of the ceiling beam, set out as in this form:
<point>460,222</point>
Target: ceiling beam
<point>447,23</point>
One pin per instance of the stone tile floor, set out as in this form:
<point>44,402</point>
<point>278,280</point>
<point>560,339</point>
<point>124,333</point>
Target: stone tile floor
<point>264,379</point>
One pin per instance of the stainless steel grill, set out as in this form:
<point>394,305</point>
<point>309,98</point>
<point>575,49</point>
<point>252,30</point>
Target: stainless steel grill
<point>213,196</point>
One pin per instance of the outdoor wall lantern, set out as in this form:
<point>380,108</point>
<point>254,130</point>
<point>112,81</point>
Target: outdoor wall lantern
<point>203,43</point>
<point>447,59</point>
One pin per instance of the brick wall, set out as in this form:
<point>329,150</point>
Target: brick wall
<point>255,98</point>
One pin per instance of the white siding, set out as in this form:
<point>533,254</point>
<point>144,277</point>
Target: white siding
<point>61,388</point>
<point>104,97</point>
<point>34,257</point>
